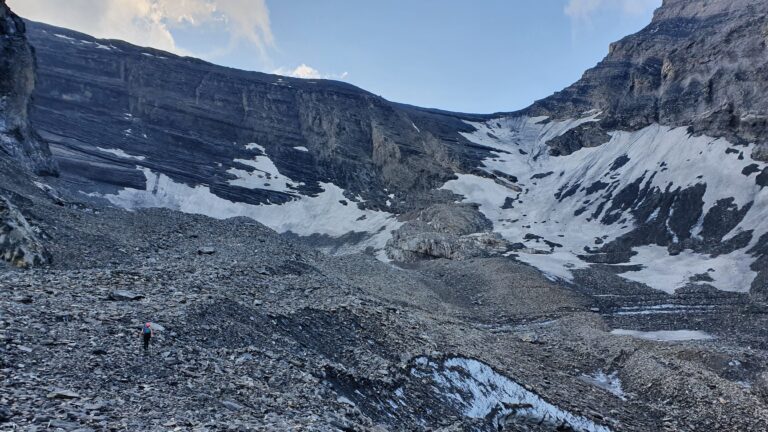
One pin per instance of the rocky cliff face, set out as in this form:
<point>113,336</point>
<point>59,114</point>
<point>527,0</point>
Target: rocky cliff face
<point>699,64</point>
<point>17,81</point>
<point>199,123</point>
<point>21,152</point>
<point>655,158</point>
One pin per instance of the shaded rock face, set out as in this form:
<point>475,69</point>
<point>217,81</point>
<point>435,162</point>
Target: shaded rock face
<point>759,289</point>
<point>17,80</point>
<point>20,244</point>
<point>586,135</point>
<point>699,64</point>
<point>196,122</point>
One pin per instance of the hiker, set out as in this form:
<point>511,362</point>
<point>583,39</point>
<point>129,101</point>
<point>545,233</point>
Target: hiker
<point>147,334</point>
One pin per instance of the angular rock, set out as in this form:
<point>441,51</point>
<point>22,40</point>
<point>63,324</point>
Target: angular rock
<point>124,295</point>
<point>231,405</point>
<point>445,231</point>
<point>5,414</point>
<point>62,394</point>
<point>19,240</point>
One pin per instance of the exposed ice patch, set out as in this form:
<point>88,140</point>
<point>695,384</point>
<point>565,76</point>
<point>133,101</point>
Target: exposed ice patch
<point>608,382</point>
<point>665,335</point>
<point>479,392</point>
<point>664,309</point>
<point>121,153</point>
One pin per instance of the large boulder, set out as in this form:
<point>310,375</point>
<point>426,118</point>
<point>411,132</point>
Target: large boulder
<point>19,241</point>
<point>451,231</point>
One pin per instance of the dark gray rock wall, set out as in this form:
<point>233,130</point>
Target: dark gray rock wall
<point>17,80</point>
<point>702,64</point>
<point>191,120</point>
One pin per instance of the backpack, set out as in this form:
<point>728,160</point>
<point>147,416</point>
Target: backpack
<point>147,330</point>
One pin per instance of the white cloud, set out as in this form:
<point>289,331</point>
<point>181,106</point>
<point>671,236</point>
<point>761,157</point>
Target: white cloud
<point>308,72</point>
<point>584,10</point>
<point>150,22</point>
<point>302,71</point>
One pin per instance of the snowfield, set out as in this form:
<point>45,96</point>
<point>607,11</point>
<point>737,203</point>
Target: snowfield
<point>306,215</point>
<point>562,199</point>
<point>562,208</point>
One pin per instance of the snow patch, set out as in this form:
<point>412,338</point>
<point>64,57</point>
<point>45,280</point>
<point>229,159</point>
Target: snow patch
<point>61,36</point>
<point>121,153</point>
<point>264,176</point>
<point>664,335</point>
<point>670,272</point>
<point>321,214</point>
<point>301,148</point>
<point>254,146</point>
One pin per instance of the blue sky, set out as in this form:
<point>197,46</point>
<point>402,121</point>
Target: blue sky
<point>480,56</point>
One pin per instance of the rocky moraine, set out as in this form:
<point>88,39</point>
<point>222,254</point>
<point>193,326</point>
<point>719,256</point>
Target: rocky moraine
<point>314,257</point>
